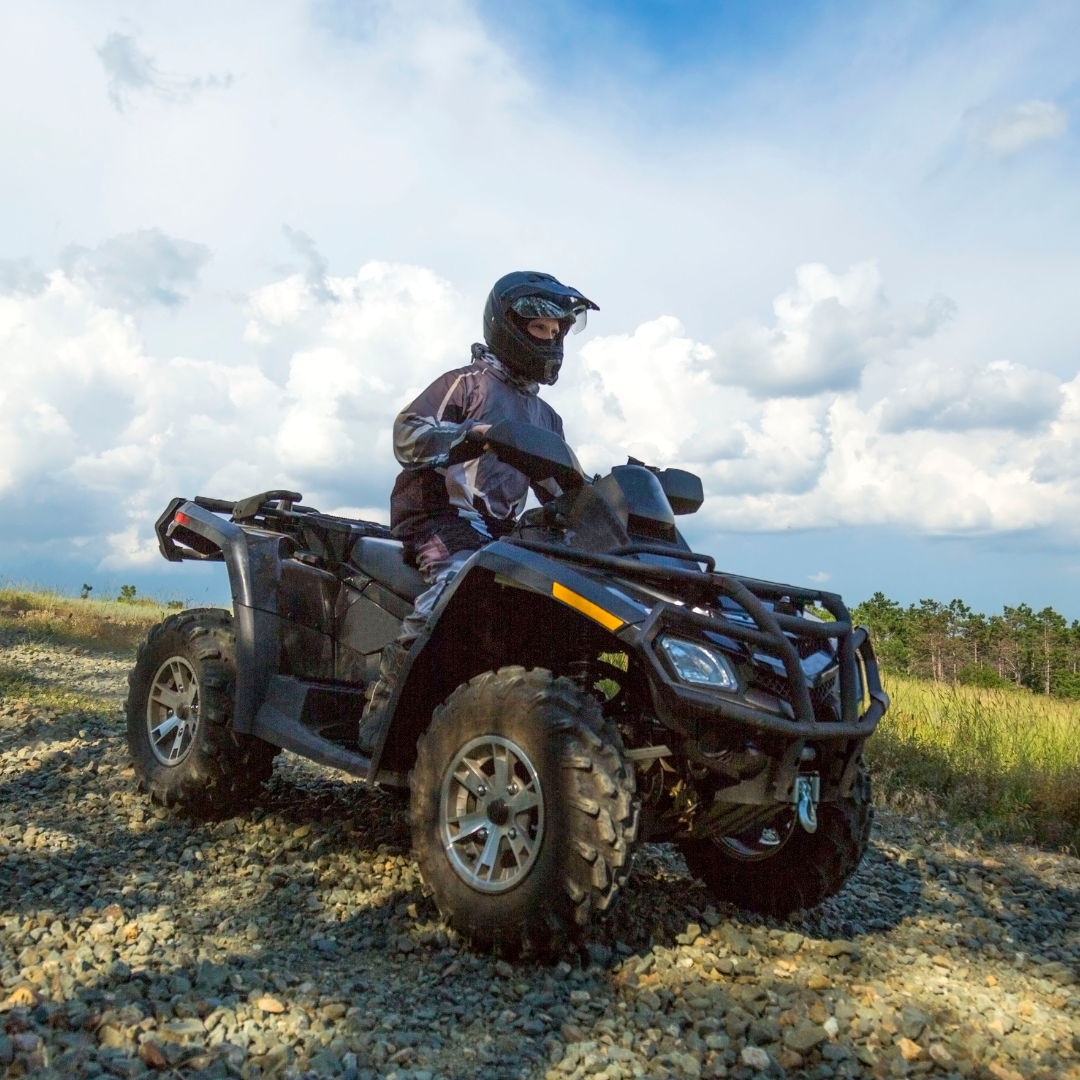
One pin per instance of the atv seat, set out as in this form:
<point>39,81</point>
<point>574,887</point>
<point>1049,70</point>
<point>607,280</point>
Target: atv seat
<point>383,560</point>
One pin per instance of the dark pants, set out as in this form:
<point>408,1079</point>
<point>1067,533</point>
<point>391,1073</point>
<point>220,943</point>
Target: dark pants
<point>438,557</point>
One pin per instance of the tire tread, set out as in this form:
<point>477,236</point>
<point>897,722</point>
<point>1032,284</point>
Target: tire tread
<point>599,790</point>
<point>809,869</point>
<point>225,770</point>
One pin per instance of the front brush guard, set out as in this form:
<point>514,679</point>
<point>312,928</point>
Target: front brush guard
<point>770,634</point>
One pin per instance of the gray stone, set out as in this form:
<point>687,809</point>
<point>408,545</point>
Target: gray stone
<point>598,954</point>
<point>734,939</point>
<point>805,1036</point>
<point>791,942</point>
<point>765,1030</point>
<point>838,948</point>
<point>326,1064</point>
<point>226,909</point>
<point>756,1058</point>
<point>912,1022</point>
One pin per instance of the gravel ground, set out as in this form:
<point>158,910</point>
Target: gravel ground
<point>297,941</point>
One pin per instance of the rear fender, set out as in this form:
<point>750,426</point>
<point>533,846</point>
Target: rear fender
<point>253,559</point>
<point>506,606</point>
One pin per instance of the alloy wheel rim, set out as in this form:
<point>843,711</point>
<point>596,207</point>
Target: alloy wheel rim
<point>491,814</point>
<point>172,711</point>
<point>761,841</point>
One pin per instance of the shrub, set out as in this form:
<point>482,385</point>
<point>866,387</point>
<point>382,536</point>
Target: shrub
<point>981,675</point>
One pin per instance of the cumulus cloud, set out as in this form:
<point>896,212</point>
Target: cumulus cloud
<point>19,276</point>
<point>1000,395</point>
<point>828,327</point>
<point>92,422</point>
<point>138,269</point>
<point>1021,126</point>
<point>97,432</point>
<point>131,72</point>
<point>941,447</point>
<point>317,264</point>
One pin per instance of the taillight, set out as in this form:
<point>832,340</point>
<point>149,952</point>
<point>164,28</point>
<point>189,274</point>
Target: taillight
<point>182,519</point>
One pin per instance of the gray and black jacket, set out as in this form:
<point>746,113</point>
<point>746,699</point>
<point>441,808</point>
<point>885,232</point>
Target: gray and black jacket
<point>484,493</point>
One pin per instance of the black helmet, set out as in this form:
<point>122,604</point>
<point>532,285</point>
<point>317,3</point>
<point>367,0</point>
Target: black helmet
<point>520,297</point>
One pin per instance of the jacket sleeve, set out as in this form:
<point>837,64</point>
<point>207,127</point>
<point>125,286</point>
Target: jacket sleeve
<point>424,430</point>
<point>546,490</point>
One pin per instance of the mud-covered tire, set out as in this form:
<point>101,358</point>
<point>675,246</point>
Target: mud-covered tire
<point>219,772</point>
<point>587,799</point>
<point>809,868</point>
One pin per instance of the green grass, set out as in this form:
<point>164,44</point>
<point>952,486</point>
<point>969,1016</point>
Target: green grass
<point>1006,760</point>
<point>104,625</point>
<point>21,692</point>
<point>38,617</point>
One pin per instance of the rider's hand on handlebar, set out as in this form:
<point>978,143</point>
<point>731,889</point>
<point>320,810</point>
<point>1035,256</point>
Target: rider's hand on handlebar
<point>478,431</point>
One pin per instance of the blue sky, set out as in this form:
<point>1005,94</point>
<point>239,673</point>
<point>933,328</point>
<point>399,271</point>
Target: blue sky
<point>835,248</point>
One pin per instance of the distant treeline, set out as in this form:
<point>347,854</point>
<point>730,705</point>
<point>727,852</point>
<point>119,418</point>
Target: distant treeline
<point>1039,650</point>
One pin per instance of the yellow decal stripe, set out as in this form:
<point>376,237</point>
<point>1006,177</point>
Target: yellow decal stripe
<point>586,607</point>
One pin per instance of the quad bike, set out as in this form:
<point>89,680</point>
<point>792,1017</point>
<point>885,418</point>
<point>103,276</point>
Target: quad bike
<point>584,684</point>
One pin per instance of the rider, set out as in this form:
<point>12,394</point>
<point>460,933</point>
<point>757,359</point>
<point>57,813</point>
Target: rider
<point>443,513</point>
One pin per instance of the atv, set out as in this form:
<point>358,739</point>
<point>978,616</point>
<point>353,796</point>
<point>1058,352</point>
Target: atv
<point>585,683</point>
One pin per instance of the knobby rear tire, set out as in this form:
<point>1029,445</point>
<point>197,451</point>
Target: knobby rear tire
<point>590,810</point>
<point>223,771</point>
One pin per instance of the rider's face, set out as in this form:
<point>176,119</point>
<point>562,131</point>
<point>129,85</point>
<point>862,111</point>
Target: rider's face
<point>544,329</point>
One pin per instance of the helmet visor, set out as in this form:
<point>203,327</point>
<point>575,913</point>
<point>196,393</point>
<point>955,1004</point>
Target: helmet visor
<point>543,307</point>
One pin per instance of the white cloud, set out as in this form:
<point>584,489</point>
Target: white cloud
<point>132,72</point>
<point>1022,126</point>
<point>317,265</point>
<point>89,418</point>
<point>138,269</point>
<point>380,514</point>
<point>941,447</point>
<point>99,432</point>
<point>19,276</point>
<point>828,328</point>
<point>1000,395</point>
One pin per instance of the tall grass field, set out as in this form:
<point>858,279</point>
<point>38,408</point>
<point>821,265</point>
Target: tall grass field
<point>110,625</point>
<point>1006,760</point>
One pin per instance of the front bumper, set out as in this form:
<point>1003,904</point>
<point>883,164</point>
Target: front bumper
<point>692,710</point>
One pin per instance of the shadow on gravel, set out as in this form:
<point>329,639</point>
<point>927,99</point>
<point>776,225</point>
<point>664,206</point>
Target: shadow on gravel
<point>294,936</point>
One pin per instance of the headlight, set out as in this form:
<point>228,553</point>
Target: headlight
<point>698,665</point>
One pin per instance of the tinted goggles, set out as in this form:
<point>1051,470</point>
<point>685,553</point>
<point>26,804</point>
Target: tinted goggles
<point>543,307</point>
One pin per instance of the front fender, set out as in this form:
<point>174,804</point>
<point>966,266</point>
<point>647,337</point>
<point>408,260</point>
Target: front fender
<point>506,606</point>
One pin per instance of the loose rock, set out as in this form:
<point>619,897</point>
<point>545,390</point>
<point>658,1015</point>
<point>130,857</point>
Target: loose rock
<point>297,941</point>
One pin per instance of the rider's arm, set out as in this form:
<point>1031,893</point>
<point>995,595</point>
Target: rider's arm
<point>424,430</point>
